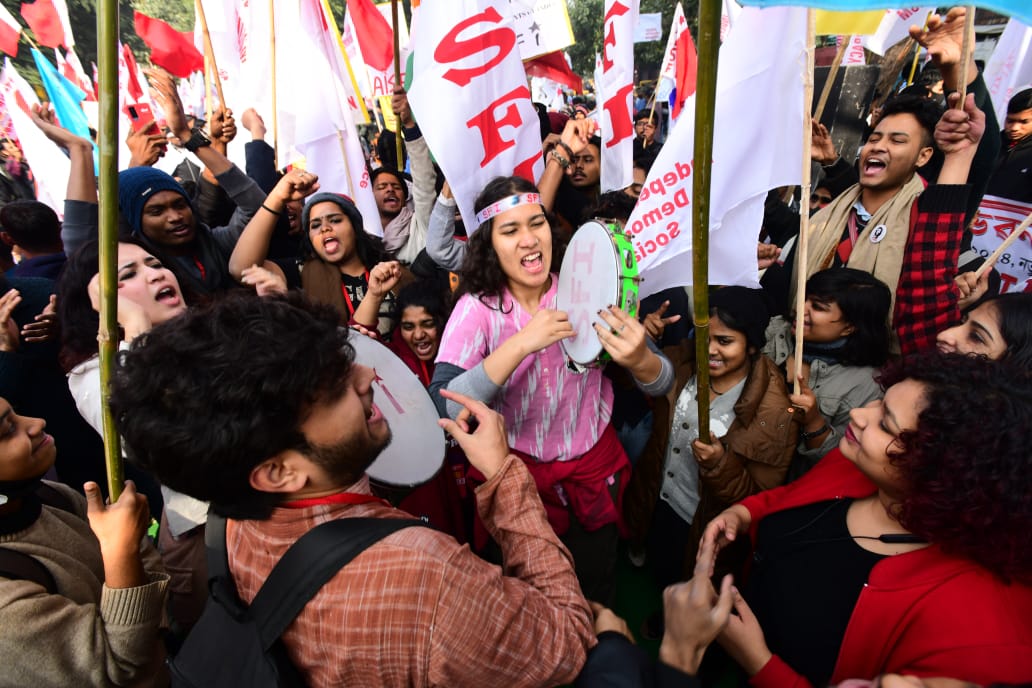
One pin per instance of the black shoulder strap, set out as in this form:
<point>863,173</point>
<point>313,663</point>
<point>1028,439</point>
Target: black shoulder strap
<point>17,565</point>
<point>309,563</point>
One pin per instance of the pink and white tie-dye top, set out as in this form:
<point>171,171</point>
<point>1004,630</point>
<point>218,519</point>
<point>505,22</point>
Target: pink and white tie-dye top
<point>551,412</point>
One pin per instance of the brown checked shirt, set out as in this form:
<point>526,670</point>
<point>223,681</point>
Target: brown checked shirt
<point>418,609</point>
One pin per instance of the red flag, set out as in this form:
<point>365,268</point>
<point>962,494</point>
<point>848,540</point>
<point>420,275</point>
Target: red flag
<point>553,66</point>
<point>10,32</point>
<point>687,65</point>
<point>132,82</point>
<point>45,22</point>
<point>170,49</point>
<point>375,36</point>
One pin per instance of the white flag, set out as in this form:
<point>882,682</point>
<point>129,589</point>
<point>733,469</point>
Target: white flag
<point>50,166</point>
<point>762,60</point>
<point>470,96</point>
<point>320,101</point>
<point>895,26</point>
<point>616,94</point>
<point>1010,67</point>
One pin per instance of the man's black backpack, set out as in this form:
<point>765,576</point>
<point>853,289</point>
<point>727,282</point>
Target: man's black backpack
<point>234,644</point>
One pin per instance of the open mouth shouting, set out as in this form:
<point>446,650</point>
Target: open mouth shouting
<point>533,262</point>
<point>168,296</point>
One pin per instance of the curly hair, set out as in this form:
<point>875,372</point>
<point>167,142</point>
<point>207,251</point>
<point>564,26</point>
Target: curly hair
<point>205,398</point>
<point>864,301</point>
<point>482,273</point>
<point>965,468</point>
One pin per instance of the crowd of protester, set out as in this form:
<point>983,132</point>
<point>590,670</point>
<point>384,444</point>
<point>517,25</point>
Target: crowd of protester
<point>862,518</point>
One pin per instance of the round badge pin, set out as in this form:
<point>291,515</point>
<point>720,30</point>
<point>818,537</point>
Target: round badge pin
<point>878,233</point>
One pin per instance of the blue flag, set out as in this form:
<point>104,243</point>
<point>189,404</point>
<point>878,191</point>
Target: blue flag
<point>1018,9</point>
<point>66,99</point>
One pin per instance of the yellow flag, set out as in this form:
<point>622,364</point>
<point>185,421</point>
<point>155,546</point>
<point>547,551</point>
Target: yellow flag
<point>848,23</point>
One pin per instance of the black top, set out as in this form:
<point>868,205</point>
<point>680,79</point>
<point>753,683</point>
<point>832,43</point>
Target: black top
<point>807,575</point>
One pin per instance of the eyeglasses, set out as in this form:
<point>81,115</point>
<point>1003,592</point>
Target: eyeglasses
<point>644,125</point>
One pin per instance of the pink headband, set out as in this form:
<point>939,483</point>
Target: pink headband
<point>499,207</point>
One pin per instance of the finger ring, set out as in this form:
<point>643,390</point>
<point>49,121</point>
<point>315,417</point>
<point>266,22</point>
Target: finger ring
<point>614,331</point>
<point>622,327</point>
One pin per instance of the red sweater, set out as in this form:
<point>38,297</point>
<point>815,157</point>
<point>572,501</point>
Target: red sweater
<point>924,612</point>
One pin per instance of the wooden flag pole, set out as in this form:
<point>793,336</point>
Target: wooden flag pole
<point>1011,238</point>
<point>347,62</point>
<point>397,80</point>
<point>272,83</point>
<point>832,75</point>
<point>803,243</point>
<point>705,112</point>
<point>917,55</point>
<point>208,107</point>
<point>968,47</point>
<point>209,52</point>
<point>107,135</point>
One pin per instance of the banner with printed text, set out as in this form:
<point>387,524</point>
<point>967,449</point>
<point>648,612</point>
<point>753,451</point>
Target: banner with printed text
<point>465,54</point>
<point>996,219</point>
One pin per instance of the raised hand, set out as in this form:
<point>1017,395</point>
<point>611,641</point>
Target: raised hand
<point>8,328</point>
<point>694,614</point>
<point>168,100</point>
<point>43,117</point>
<point>743,639</point>
<point>960,130</point>
<point>487,445</point>
<point>45,326</point>
<point>384,277</point>
<point>119,528</point>
<point>822,149</point>
<point>655,324</point>
<point>145,149</point>
<point>265,282</point>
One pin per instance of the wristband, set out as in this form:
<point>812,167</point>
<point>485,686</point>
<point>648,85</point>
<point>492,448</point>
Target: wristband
<point>816,433</point>
<point>569,151</point>
<point>270,210</point>
<point>555,155</point>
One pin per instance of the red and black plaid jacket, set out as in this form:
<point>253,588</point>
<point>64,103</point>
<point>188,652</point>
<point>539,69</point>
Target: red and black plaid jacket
<point>926,295</point>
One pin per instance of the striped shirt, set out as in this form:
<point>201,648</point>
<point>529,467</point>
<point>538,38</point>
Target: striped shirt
<point>418,609</point>
<point>551,412</point>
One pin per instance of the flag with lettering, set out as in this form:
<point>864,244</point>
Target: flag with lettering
<point>761,60</point>
<point>616,93</point>
<point>894,27</point>
<point>465,54</point>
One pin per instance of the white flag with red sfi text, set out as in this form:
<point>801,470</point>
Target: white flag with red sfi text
<point>616,93</point>
<point>465,56</point>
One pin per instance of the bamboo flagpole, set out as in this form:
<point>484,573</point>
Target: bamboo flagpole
<point>272,83</point>
<point>705,112</point>
<point>968,46</point>
<point>917,55</point>
<point>803,244</point>
<point>397,80</point>
<point>830,81</point>
<point>347,62</point>
<point>1011,238</point>
<point>107,336</point>
<point>209,53</point>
